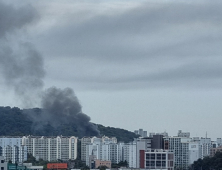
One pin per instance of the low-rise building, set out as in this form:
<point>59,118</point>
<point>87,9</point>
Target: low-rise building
<point>157,159</point>
<point>99,163</point>
<point>56,166</point>
<point>213,151</point>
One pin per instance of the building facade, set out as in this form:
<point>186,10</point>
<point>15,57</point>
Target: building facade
<point>129,154</point>
<point>180,148</point>
<point>3,163</point>
<point>157,159</point>
<point>51,148</point>
<point>213,151</point>
<point>104,149</point>
<point>12,149</point>
<point>205,145</point>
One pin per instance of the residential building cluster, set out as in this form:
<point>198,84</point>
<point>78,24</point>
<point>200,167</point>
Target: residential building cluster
<point>15,149</point>
<point>156,151</point>
<point>144,153</point>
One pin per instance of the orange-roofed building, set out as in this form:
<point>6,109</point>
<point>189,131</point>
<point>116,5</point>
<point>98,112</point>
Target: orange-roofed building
<point>57,166</point>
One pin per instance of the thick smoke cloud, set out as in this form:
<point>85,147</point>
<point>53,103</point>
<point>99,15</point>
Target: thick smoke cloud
<point>23,72</point>
<point>12,19</point>
<point>63,106</point>
<point>22,67</point>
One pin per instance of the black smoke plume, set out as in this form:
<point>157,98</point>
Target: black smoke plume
<point>63,106</point>
<point>22,68</point>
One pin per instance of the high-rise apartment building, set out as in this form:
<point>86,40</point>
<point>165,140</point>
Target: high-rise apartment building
<point>180,147</point>
<point>105,149</point>
<point>129,154</point>
<point>186,150</point>
<point>84,142</point>
<point>51,148</point>
<point>12,149</point>
<point>205,145</point>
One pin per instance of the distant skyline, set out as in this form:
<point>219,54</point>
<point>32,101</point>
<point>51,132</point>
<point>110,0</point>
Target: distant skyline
<point>154,64</point>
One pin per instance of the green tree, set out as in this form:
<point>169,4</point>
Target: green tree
<point>208,163</point>
<point>102,167</point>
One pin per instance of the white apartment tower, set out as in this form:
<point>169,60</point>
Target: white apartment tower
<point>129,154</point>
<point>180,147</point>
<point>51,148</point>
<point>84,141</point>
<point>104,148</point>
<point>186,151</point>
<point>11,149</point>
<point>204,147</point>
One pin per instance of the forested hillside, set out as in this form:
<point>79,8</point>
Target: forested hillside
<point>16,122</point>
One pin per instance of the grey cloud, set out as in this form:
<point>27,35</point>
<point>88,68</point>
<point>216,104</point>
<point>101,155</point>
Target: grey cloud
<point>163,41</point>
<point>21,65</point>
<point>135,34</point>
<point>12,18</point>
<point>23,71</point>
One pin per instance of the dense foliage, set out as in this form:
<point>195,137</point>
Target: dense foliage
<point>14,122</point>
<point>121,134</point>
<point>120,164</point>
<point>208,163</point>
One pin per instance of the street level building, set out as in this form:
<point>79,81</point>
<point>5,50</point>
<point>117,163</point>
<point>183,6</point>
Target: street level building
<point>157,159</point>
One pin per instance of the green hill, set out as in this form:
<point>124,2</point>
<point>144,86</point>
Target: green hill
<point>15,122</point>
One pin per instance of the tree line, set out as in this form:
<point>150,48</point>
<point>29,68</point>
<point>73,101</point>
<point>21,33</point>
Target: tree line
<point>208,163</point>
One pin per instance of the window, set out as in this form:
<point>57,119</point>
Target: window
<point>164,163</point>
<point>2,161</point>
<point>2,168</point>
<point>158,156</point>
<point>163,156</point>
<point>158,163</point>
<point>147,156</point>
<point>152,156</point>
<point>152,163</point>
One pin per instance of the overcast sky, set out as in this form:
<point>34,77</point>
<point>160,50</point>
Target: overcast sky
<point>152,64</point>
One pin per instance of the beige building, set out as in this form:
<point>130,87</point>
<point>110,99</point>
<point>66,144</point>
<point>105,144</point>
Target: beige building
<point>214,150</point>
<point>99,163</point>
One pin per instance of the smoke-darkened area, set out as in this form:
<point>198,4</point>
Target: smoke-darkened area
<point>15,123</point>
<point>59,109</point>
<point>22,68</point>
<point>63,106</point>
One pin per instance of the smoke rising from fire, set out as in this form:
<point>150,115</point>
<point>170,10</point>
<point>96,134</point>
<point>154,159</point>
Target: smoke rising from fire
<point>22,68</point>
<point>63,106</point>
